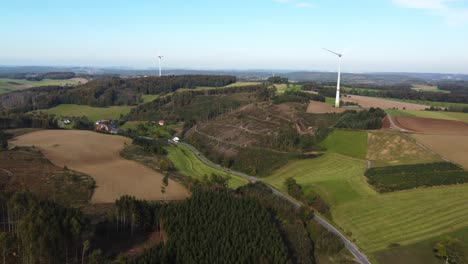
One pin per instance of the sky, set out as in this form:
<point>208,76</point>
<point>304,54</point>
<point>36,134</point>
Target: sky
<point>374,35</point>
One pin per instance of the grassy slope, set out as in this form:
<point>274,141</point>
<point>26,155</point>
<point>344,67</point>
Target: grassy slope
<point>337,178</point>
<point>93,113</point>
<point>419,253</point>
<point>7,86</point>
<point>375,220</point>
<point>404,217</point>
<point>431,114</point>
<point>350,143</point>
<point>149,97</point>
<point>188,164</point>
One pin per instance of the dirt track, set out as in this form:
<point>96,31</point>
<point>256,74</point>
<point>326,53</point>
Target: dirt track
<point>98,155</point>
<point>431,126</point>
<point>368,102</point>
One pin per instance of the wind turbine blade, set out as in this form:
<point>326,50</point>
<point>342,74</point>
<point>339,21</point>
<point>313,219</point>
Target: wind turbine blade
<point>336,53</point>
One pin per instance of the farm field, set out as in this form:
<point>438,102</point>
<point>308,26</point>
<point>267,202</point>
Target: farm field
<point>377,220</point>
<point>452,147</point>
<point>281,88</point>
<point>323,108</point>
<point>98,156</point>
<point>92,113</point>
<point>368,102</point>
<point>431,114</point>
<point>430,103</point>
<point>431,126</point>
<point>419,253</point>
<point>236,84</point>
<point>346,142</point>
<point>336,178</point>
<point>190,165</point>
<point>389,148</point>
<point>427,88</point>
<point>404,217</point>
<point>8,85</point>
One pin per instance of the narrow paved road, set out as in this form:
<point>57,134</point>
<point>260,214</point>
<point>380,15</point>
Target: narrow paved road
<point>361,257</point>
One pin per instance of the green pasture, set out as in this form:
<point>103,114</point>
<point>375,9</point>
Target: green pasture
<point>347,142</point>
<point>9,85</point>
<point>92,113</point>
<point>190,165</point>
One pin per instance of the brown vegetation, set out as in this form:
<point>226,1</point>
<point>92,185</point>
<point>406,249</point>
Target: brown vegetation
<point>323,108</point>
<point>452,147</point>
<point>431,126</point>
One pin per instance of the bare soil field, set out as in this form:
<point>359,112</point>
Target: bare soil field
<point>452,147</point>
<point>390,148</point>
<point>368,102</point>
<point>98,155</point>
<point>431,126</point>
<point>323,108</point>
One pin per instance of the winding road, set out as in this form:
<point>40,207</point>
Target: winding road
<point>360,257</point>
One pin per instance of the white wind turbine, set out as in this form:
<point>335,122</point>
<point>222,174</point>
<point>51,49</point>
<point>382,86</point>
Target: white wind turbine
<point>159,59</point>
<point>337,100</point>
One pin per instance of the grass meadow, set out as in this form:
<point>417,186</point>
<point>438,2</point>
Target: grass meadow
<point>376,221</point>
<point>92,113</point>
<point>190,165</point>
<point>9,85</point>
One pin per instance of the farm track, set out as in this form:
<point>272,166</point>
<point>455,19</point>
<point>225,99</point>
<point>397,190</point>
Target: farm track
<point>360,257</point>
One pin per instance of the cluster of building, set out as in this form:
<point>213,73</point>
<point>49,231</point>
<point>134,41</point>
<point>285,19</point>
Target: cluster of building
<point>107,125</point>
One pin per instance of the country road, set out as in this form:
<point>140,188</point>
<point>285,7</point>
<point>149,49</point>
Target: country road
<point>360,257</point>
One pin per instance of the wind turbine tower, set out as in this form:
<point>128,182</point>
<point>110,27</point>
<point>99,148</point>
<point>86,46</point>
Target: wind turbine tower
<point>160,58</point>
<point>337,100</point>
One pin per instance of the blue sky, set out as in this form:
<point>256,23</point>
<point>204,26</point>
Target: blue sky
<point>375,35</point>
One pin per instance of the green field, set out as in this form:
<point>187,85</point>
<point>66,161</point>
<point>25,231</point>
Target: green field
<point>149,97</point>
<point>404,217</point>
<point>281,88</point>
<point>428,88</point>
<point>330,100</point>
<point>375,220</point>
<point>92,113</point>
<point>190,165</point>
<point>430,114</point>
<point>419,253</point>
<point>8,85</point>
<point>236,84</point>
<point>336,178</point>
<point>346,142</point>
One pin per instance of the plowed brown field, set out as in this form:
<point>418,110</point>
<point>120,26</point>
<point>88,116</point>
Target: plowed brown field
<point>323,108</point>
<point>452,147</point>
<point>431,126</point>
<point>368,102</point>
<point>98,155</point>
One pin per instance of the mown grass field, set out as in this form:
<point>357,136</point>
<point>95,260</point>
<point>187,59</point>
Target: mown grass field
<point>347,142</point>
<point>430,114</point>
<point>190,165</point>
<point>336,178</point>
<point>404,217</point>
<point>375,220</point>
<point>419,253</point>
<point>428,88</point>
<point>92,113</point>
<point>8,85</point>
<point>281,88</point>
